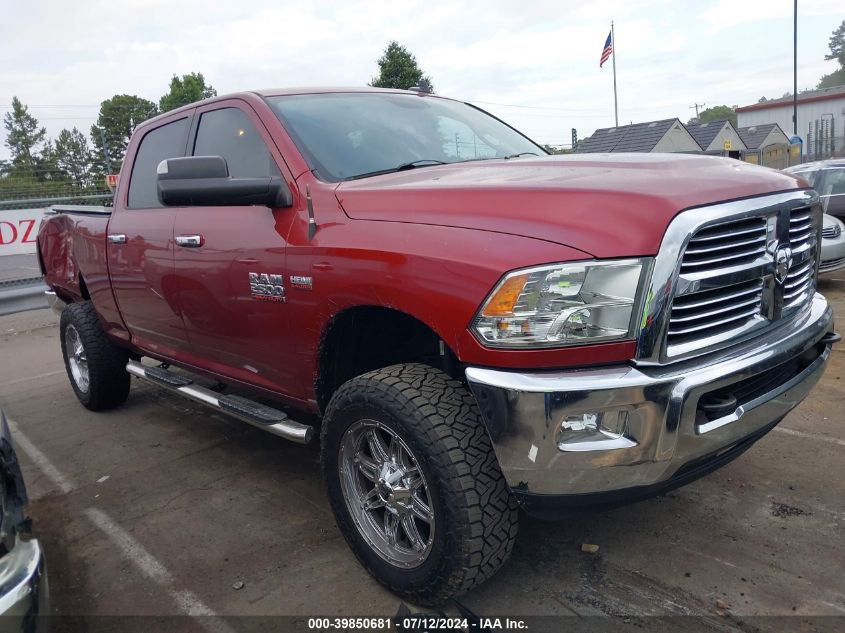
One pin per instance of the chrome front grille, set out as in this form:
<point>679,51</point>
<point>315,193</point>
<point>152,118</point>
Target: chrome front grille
<point>831,264</point>
<point>800,228</point>
<point>734,243</point>
<point>799,282</point>
<point>702,315</point>
<point>831,232</point>
<point>739,273</point>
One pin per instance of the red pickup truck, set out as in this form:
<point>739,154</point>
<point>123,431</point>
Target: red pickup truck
<point>470,326</point>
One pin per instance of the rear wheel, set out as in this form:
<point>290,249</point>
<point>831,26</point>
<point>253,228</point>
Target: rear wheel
<point>414,483</point>
<point>95,366</point>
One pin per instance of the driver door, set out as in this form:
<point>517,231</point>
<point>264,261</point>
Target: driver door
<point>222,250</point>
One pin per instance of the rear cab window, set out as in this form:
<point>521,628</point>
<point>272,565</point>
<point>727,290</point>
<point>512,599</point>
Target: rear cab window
<point>167,141</point>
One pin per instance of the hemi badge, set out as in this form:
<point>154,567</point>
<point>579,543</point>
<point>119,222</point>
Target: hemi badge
<point>301,282</point>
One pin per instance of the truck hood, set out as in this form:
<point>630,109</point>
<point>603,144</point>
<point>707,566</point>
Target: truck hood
<point>606,205</point>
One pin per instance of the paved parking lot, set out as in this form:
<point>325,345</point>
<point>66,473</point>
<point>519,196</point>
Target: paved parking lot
<point>163,507</point>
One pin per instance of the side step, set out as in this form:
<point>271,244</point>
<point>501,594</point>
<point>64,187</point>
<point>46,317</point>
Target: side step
<point>259,415</point>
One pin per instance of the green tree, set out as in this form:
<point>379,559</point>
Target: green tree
<point>74,158</point>
<point>24,137</point>
<point>837,52</point>
<point>837,45</point>
<point>118,117</point>
<point>716,113</point>
<point>398,69</point>
<point>46,167</point>
<point>836,78</point>
<point>185,90</point>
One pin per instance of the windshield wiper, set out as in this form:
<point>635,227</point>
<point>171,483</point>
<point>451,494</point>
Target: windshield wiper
<point>423,162</point>
<point>521,154</point>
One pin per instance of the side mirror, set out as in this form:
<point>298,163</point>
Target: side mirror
<point>205,181</point>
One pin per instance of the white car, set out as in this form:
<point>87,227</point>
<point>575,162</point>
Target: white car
<point>833,244</point>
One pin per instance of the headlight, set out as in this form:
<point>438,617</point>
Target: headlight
<point>563,304</point>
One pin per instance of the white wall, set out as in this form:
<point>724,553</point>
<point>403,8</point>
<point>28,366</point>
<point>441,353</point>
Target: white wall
<point>18,230</point>
<point>782,115</point>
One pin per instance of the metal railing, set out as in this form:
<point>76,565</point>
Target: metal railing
<point>21,295</point>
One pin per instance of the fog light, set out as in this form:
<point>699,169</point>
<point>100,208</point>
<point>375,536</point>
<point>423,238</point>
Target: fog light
<point>594,431</point>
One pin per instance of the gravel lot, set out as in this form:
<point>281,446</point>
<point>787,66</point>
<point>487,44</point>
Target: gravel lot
<point>165,508</point>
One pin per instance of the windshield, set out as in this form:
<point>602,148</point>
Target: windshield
<point>352,135</point>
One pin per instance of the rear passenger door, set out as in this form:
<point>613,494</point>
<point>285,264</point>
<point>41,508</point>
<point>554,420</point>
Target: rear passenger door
<point>140,245</point>
<point>233,332</point>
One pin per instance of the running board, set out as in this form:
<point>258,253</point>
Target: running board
<point>258,415</point>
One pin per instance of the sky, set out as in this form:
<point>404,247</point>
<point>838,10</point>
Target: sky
<point>534,63</point>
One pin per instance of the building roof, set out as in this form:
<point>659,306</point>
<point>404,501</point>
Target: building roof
<point>638,137</point>
<point>754,135</point>
<point>704,133</point>
<point>811,96</point>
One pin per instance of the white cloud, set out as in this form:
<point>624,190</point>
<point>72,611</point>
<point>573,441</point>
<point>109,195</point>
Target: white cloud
<point>543,54</point>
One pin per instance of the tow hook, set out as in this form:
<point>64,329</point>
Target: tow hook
<point>831,337</point>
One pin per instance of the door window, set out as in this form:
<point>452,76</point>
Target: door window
<point>167,141</point>
<point>229,133</point>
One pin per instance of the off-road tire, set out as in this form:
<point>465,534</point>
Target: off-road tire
<point>108,384</point>
<point>476,516</point>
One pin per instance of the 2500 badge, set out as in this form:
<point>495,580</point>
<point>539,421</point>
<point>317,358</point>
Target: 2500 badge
<point>267,287</point>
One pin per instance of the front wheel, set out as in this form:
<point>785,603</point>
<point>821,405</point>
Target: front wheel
<point>414,482</point>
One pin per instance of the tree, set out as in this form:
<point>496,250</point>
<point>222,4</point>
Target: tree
<point>185,90</point>
<point>46,168</point>
<point>118,117</point>
<point>837,45</point>
<point>837,52</point>
<point>836,78</point>
<point>716,113</point>
<point>24,136</point>
<point>74,158</point>
<point>398,69</point>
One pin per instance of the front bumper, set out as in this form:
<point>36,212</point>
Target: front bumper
<point>832,254</point>
<point>23,588</point>
<point>668,434</point>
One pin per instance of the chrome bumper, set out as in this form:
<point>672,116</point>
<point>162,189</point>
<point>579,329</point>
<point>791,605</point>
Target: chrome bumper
<point>666,429</point>
<point>23,588</point>
<point>55,303</point>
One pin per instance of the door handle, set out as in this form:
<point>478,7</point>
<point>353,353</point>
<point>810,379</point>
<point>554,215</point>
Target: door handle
<point>190,241</point>
<point>117,238</point>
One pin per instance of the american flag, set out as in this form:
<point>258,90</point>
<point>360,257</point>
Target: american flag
<point>606,52</point>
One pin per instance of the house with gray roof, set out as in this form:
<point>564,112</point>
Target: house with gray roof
<point>719,137</point>
<point>756,137</point>
<point>667,135</point>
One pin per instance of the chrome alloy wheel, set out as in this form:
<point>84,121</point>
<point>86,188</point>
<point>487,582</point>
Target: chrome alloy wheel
<point>386,493</point>
<point>77,359</point>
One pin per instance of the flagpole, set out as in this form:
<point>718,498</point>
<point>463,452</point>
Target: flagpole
<point>613,52</point>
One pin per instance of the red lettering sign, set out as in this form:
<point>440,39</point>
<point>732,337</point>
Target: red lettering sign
<point>29,225</point>
<point>12,233</point>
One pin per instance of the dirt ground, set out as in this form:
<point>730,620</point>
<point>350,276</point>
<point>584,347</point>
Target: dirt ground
<point>162,507</point>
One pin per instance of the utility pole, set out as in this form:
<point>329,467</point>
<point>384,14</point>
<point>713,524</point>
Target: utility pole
<point>696,107</point>
<point>795,70</point>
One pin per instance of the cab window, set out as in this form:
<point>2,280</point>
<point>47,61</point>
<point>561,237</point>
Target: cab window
<point>167,141</point>
<point>229,133</point>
